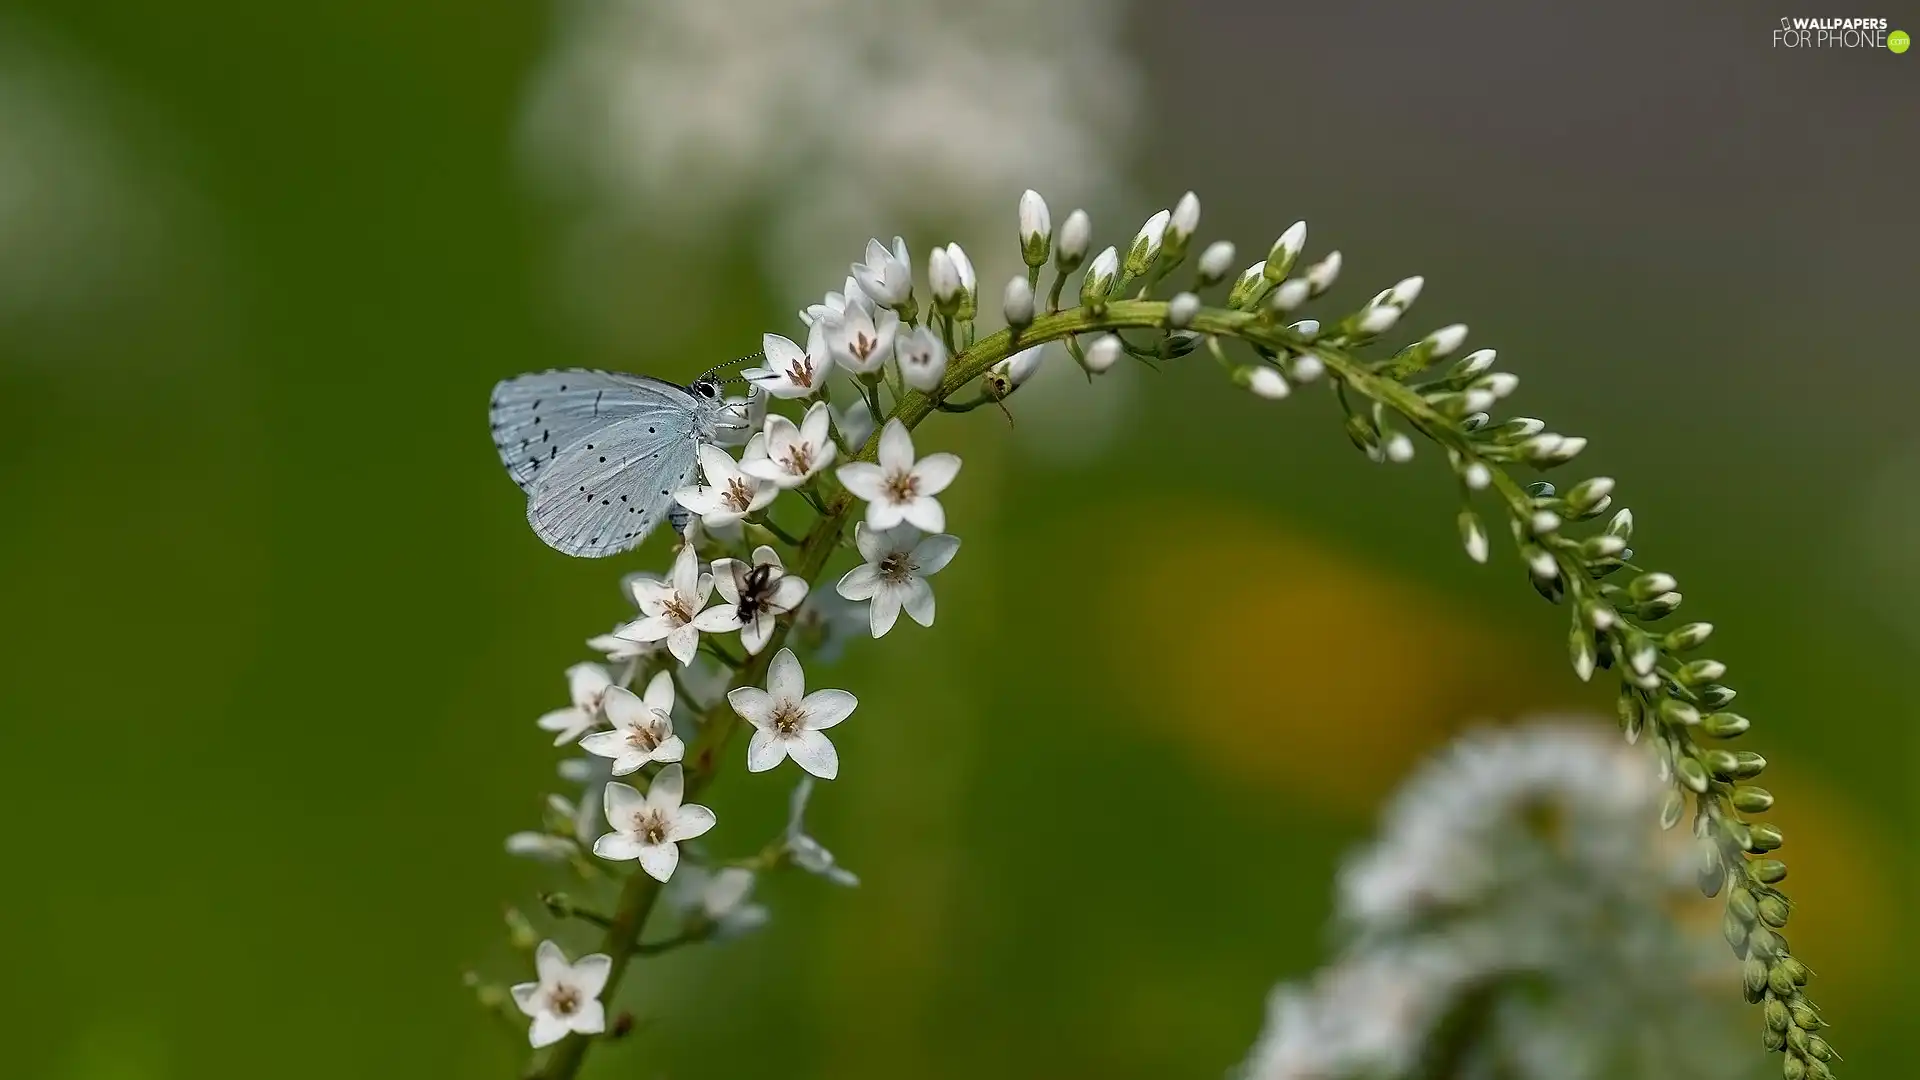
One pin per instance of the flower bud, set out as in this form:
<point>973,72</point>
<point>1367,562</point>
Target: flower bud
<point>1648,586</point>
<point>1145,249</point>
<point>1690,636</point>
<point>1679,713</point>
<point>1186,219</point>
<point>1019,367</point>
<point>1102,354</point>
<point>1767,871</point>
<point>1017,302</point>
<point>1036,228</point>
<point>1285,251</point>
<point>1181,310</point>
<point>1307,367</point>
<point>923,359</point>
<point>1263,380</point>
<point>1764,837</point>
<point>1249,287</point>
<point>943,278</point>
<point>1445,341</point>
<point>1075,237</point>
<point>1473,536</point>
<point>1215,262</point>
<point>1753,979</point>
<point>1774,911</point>
<point>1323,274</point>
<point>1724,725</point>
<point>1692,773</point>
<point>1098,282</point>
<point>1291,294</point>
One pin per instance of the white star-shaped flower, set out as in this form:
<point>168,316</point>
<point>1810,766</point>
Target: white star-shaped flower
<point>792,454</point>
<point>642,728</point>
<point>886,276</point>
<point>899,560</point>
<point>587,685</point>
<point>729,494</point>
<point>790,371</point>
<point>718,899</point>
<point>900,488</point>
<point>567,997</point>
<point>755,596</point>
<point>650,827</point>
<point>923,359</point>
<point>786,723</point>
<point>835,303</point>
<point>669,607</point>
<point>859,340</point>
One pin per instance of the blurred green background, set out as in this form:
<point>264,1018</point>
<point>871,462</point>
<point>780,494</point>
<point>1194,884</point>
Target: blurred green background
<point>278,631</point>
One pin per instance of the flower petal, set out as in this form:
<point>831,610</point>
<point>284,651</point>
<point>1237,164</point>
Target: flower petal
<point>590,973</point>
<point>754,635</point>
<point>785,680</point>
<point>859,582</point>
<point>936,472</point>
<point>659,860</point>
<point>917,598</point>
<point>660,694</point>
<point>727,575</point>
<point>691,821</point>
<point>886,609</point>
<point>926,513</point>
<point>667,790</point>
<point>526,996</point>
<point>765,751</point>
<point>671,749</point>
<point>621,802</point>
<point>863,478</point>
<point>825,708</point>
<point>589,1018</point>
<point>550,962</point>
<point>814,752</point>
<point>607,744</point>
<point>547,1029</point>
<point>624,707</point>
<point>617,847</point>
<point>753,704</point>
<point>720,618</point>
<point>932,554</point>
<point>896,447</point>
<point>683,643</point>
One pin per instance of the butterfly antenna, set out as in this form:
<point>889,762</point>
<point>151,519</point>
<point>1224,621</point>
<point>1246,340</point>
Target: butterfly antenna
<point>718,368</point>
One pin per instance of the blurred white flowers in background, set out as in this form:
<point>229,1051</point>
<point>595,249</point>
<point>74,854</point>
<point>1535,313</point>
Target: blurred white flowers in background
<point>1516,918</point>
<point>778,128</point>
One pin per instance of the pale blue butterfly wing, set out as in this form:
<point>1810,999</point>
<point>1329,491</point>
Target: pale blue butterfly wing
<point>534,417</point>
<point>608,454</point>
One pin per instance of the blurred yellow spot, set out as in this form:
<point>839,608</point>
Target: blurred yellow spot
<point>1298,668</point>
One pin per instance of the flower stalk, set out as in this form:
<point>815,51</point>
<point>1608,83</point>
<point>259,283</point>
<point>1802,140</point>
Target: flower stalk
<point>1676,701</point>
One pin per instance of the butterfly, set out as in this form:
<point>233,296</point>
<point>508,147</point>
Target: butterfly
<point>600,454</point>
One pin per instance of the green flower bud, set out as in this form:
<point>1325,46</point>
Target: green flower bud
<point>1797,1042</point>
<point>1716,696</point>
<point>1791,1067</point>
<point>1690,636</point>
<point>1672,805</point>
<point>1734,931</point>
<point>1818,1050</point>
<point>1724,725</point>
<point>1659,607</point>
<point>1780,981</point>
<point>1775,911</point>
<point>1621,525</point>
<point>1692,773</point>
<point>1721,763</point>
<point>1679,713</point>
<point>1741,902</point>
<point>1763,942</point>
<point>1771,1039</point>
<point>1753,979</point>
<point>1699,672</point>
<point>1749,763</point>
<point>1767,871</point>
<point>1805,1018</point>
<point>1766,837</point>
<point>1776,1014</point>
<point>1647,586</point>
<point>1752,800</point>
<point>1795,971</point>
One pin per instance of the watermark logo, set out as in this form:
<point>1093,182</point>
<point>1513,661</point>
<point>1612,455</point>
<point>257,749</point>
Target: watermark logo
<point>1825,33</point>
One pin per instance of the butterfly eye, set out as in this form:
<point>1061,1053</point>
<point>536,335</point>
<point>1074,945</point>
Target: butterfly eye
<point>706,389</point>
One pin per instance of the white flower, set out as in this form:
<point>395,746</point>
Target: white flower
<point>969,282</point>
<point>923,361</point>
<point>886,276</point>
<point>1215,261</point>
<point>669,607</point>
<point>718,899</point>
<point>1323,274</point>
<point>789,724</point>
<point>729,494</point>
<point>900,488</point>
<point>567,997</point>
<point>898,563</point>
<point>587,685</point>
<point>790,371</point>
<point>1016,303</point>
<point>755,596</point>
<point>806,852</point>
<point>855,421</point>
<point>1099,276</point>
<point>791,454</point>
<point>858,341</point>
<point>650,827</point>
<point>642,728</point>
